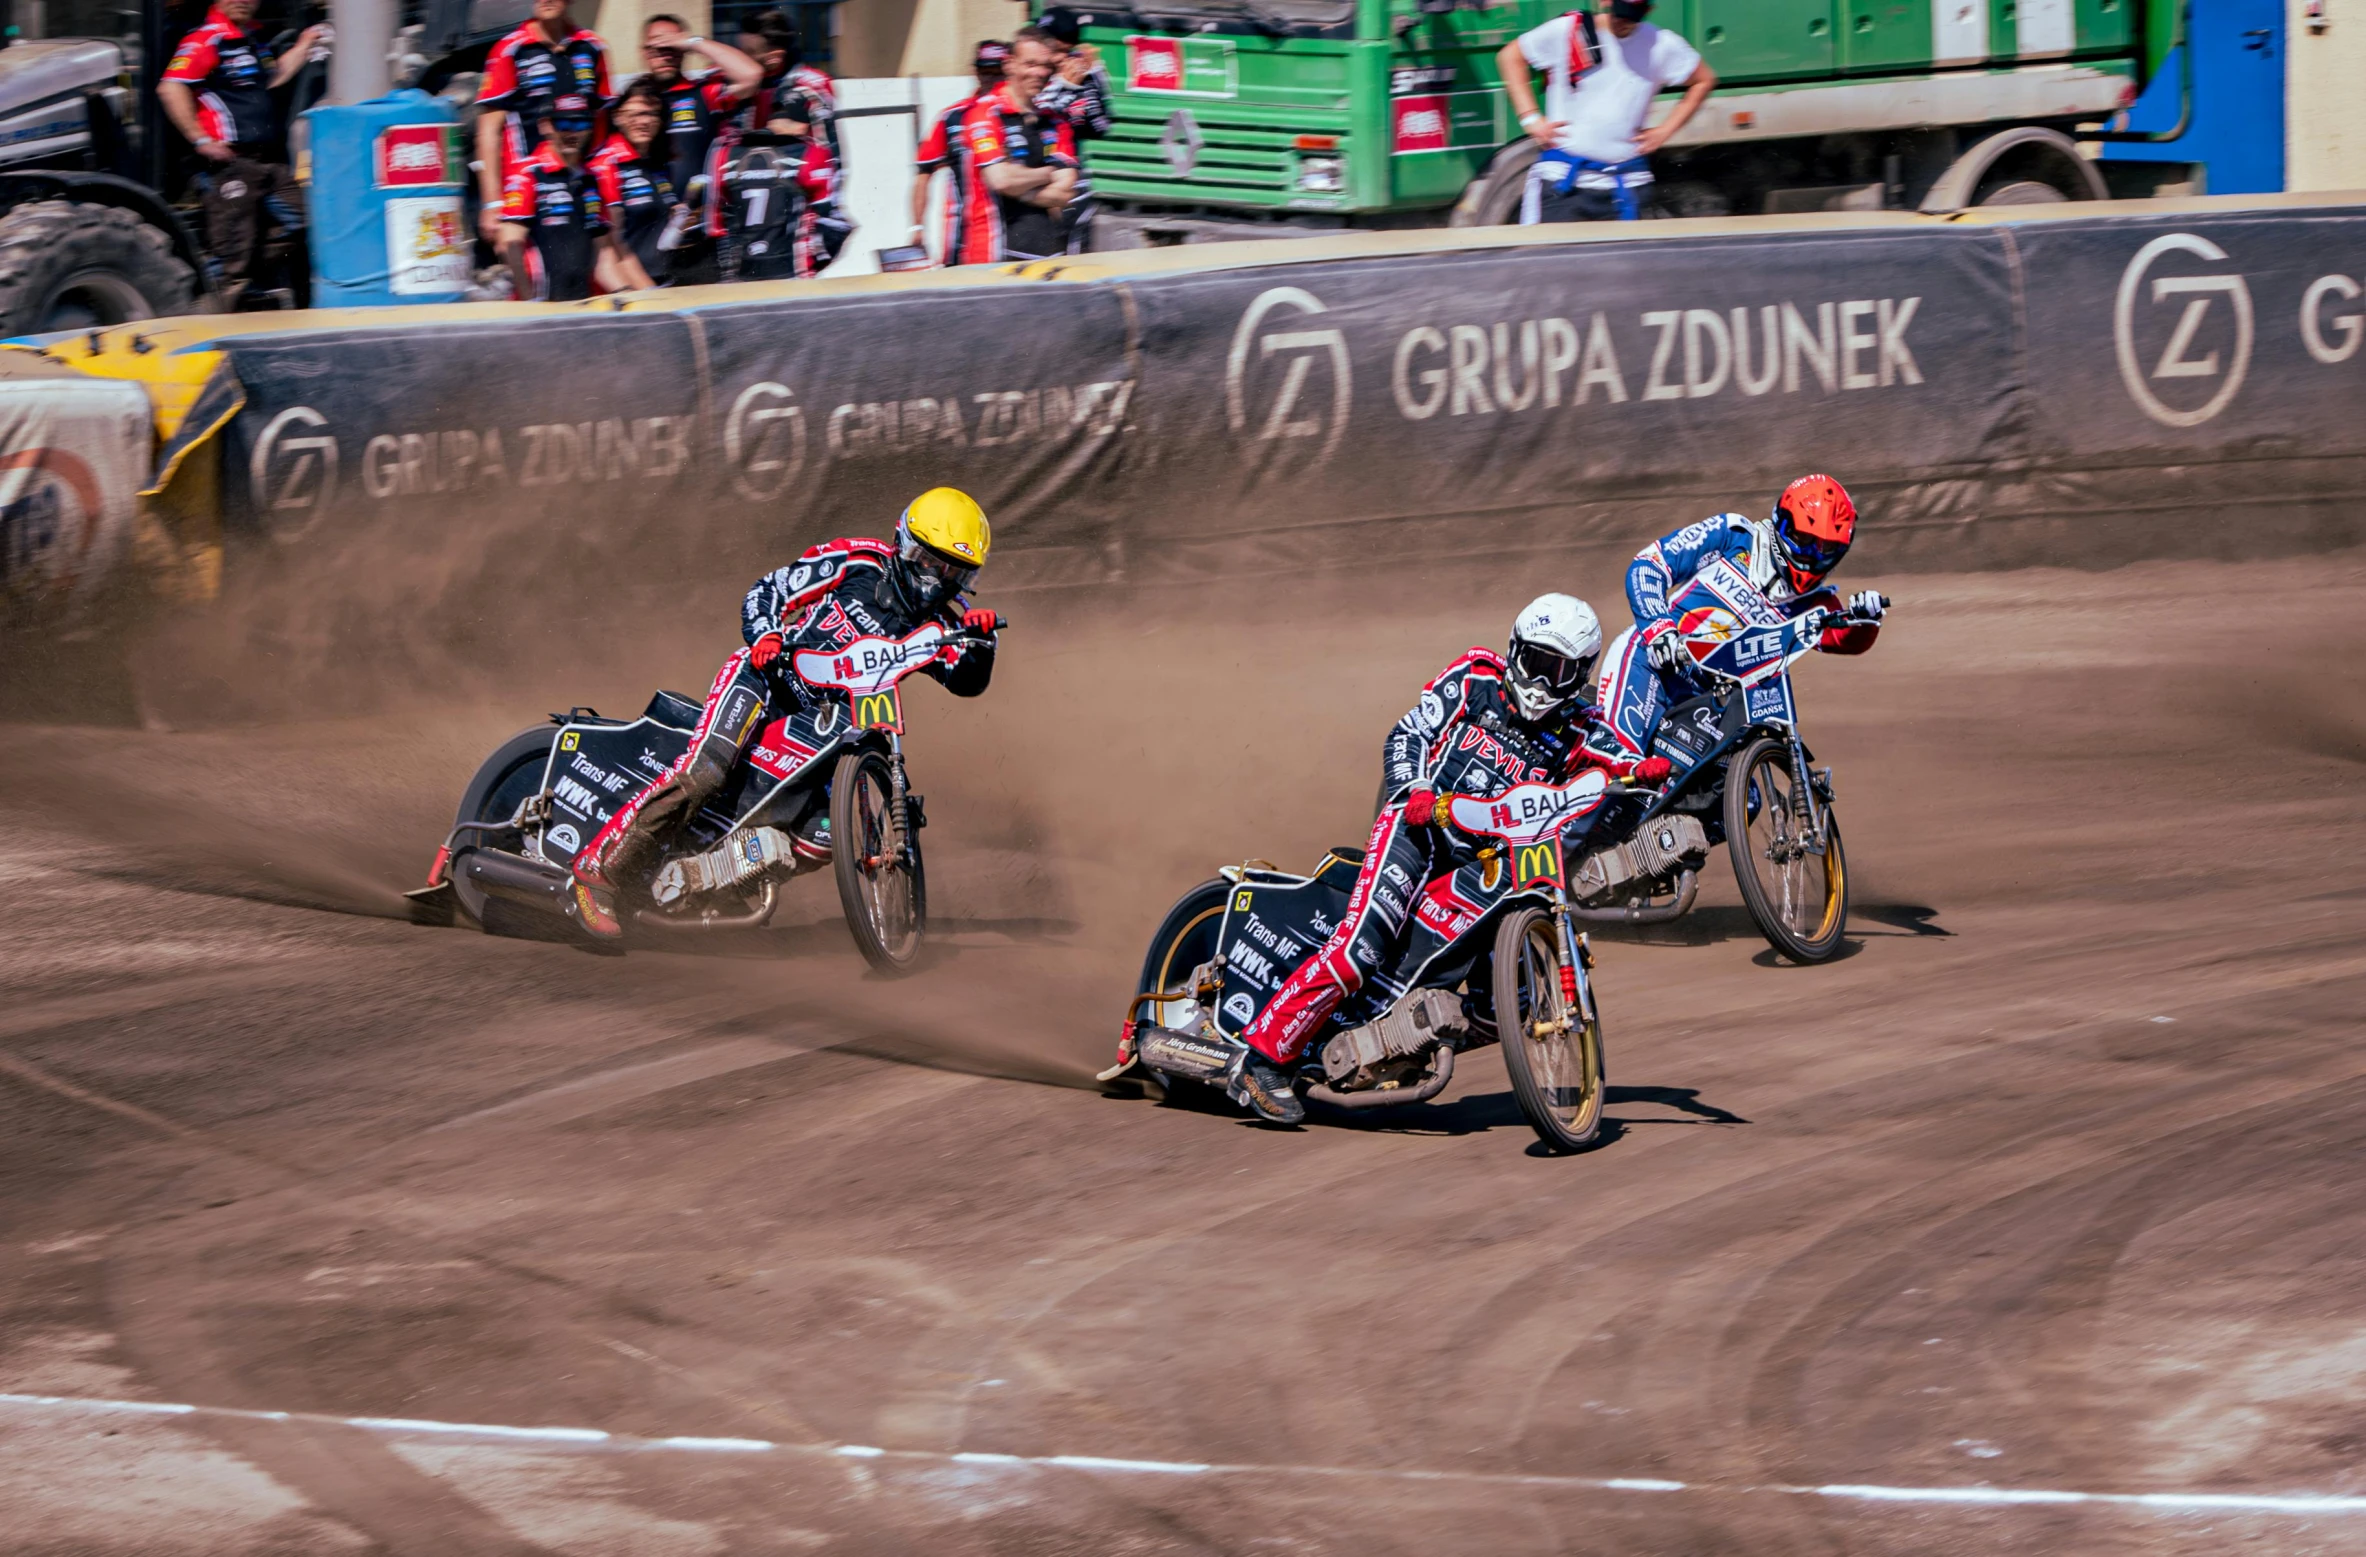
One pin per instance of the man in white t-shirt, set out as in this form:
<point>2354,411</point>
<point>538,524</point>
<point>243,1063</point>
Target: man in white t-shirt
<point>1601,72</point>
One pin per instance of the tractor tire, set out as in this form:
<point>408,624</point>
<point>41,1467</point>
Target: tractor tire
<point>65,265</point>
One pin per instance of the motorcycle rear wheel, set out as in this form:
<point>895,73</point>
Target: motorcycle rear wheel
<point>513,772</point>
<point>881,882</point>
<point>1797,894</point>
<point>1557,1074</point>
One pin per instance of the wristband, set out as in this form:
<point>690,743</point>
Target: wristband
<point>1531,119</point>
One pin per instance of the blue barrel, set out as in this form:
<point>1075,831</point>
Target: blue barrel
<point>384,195</point>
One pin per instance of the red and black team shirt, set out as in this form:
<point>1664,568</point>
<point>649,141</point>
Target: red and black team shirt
<point>941,148</point>
<point>526,71</point>
<point>800,93</point>
<point>639,194</point>
<point>992,227</point>
<point>229,71</point>
<point>694,110</point>
<point>564,217</point>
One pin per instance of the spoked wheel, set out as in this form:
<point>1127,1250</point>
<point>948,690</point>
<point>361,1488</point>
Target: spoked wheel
<point>1553,1052</point>
<point>1794,881</point>
<point>504,780</point>
<point>881,881</point>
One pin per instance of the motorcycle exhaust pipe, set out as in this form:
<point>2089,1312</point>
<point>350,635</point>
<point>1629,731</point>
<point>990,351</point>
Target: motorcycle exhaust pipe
<point>531,882</point>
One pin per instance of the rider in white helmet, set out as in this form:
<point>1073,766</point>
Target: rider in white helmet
<point>1487,722</point>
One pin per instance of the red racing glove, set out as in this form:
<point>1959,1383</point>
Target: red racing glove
<point>1421,807</point>
<point>979,620</point>
<point>765,650</point>
<point>1651,770</point>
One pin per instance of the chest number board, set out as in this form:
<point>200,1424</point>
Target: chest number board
<point>882,710</point>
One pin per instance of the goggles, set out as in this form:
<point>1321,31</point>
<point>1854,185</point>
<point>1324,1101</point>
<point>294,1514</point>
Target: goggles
<point>1556,673</point>
<point>1808,554</point>
<point>922,561</point>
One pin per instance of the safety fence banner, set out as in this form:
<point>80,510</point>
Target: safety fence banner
<point>2030,377</point>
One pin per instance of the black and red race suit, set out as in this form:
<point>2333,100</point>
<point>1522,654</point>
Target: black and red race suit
<point>1462,738</point>
<point>830,596</point>
<point>802,94</point>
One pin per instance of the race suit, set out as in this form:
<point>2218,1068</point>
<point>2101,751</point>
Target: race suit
<point>1085,106</point>
<point>1635,695</point>
<point>1463,738</point>
<point>830,596</point>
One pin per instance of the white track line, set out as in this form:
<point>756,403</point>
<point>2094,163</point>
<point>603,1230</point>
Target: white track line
<point>592,1437</point>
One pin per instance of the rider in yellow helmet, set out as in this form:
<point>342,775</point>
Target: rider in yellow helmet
<point>831,596</point>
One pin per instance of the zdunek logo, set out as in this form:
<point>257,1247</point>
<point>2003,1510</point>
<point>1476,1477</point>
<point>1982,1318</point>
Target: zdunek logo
<point>2197,344</point>
<point>764,441</point>
<point>294,465</point>
<point>1272,396</point>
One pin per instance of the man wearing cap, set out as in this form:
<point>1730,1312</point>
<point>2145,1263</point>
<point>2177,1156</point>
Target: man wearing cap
<point>940,148</point>
<point>555,232</point>
<point>545,57</point>
<point>1602,69</point>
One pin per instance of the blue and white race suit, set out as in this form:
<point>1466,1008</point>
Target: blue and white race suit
<point>1635,695</point>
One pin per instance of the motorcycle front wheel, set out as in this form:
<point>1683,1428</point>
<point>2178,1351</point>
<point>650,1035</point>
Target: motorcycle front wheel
<point>1554,1053</point>
<point>881,881</point>
<point>1794,883</point>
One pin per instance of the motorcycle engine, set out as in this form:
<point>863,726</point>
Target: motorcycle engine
<point>742,857</point>
<point>1399,1042</point>
<point>1666,844</point>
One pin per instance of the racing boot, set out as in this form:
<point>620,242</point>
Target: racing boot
<point>595,910</point>
<point>1262,1087</point>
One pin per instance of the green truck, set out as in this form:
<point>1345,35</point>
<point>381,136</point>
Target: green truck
<point>1283,118</point>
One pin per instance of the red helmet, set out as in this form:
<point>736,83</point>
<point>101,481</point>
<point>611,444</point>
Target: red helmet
<point>1813,523</point>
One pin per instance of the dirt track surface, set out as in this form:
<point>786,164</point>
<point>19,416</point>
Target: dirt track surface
<point>2051,1183</point>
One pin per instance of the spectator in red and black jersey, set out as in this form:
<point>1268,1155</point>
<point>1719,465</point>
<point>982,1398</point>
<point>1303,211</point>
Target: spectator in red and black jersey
<point>555,231</point>
<point>636,181</point>
<point>1018,167</point>
<point>940,148</point>
<point>217,92</point>
<point>694,104</point>
<point>747,206</point>
<point>1079,93</point>
<point>544,58</point>
<point>798,99</point>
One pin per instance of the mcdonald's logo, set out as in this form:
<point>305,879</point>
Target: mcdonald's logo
<point>1536,862</point>
<point>878,711</point>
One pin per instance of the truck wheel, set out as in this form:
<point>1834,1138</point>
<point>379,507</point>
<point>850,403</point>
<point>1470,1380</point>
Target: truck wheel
<point>66,265</point>
<point>1493,198</point>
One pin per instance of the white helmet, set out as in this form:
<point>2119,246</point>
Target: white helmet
<point>1555,642</point>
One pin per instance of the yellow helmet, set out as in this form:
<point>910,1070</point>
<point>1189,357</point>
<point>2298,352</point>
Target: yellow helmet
<point>940,541</point>
<point>947,521</point>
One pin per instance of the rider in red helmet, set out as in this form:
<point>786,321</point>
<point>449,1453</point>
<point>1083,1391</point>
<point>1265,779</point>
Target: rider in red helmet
<point>1787,554</point>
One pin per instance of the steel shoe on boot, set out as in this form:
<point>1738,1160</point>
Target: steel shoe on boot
<point>593,912</point>
<point>1259,1085</point>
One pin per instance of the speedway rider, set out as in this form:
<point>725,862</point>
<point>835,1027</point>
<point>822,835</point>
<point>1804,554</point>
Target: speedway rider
<point>832,595</point>
<point>1486,723</point>
<point>1786,555</point>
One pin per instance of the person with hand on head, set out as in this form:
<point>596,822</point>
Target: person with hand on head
<point>832,596</point>
<point>555,233</point>
<point>1018,166</point>
<point>1602,70</point>
<point>940,149</point>
<point>1485,723</point>
<point>1785,555</point>
<point>636,184</point>
<point>544,58</point>
<point>694,104</point>
<point>217,91</point>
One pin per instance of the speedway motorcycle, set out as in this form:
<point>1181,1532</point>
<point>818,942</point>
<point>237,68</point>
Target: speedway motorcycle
<point>1740,774</point>
<point>823,785</point>
<point>1492,957</point>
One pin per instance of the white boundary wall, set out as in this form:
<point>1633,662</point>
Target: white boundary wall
<point>877,151</point>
